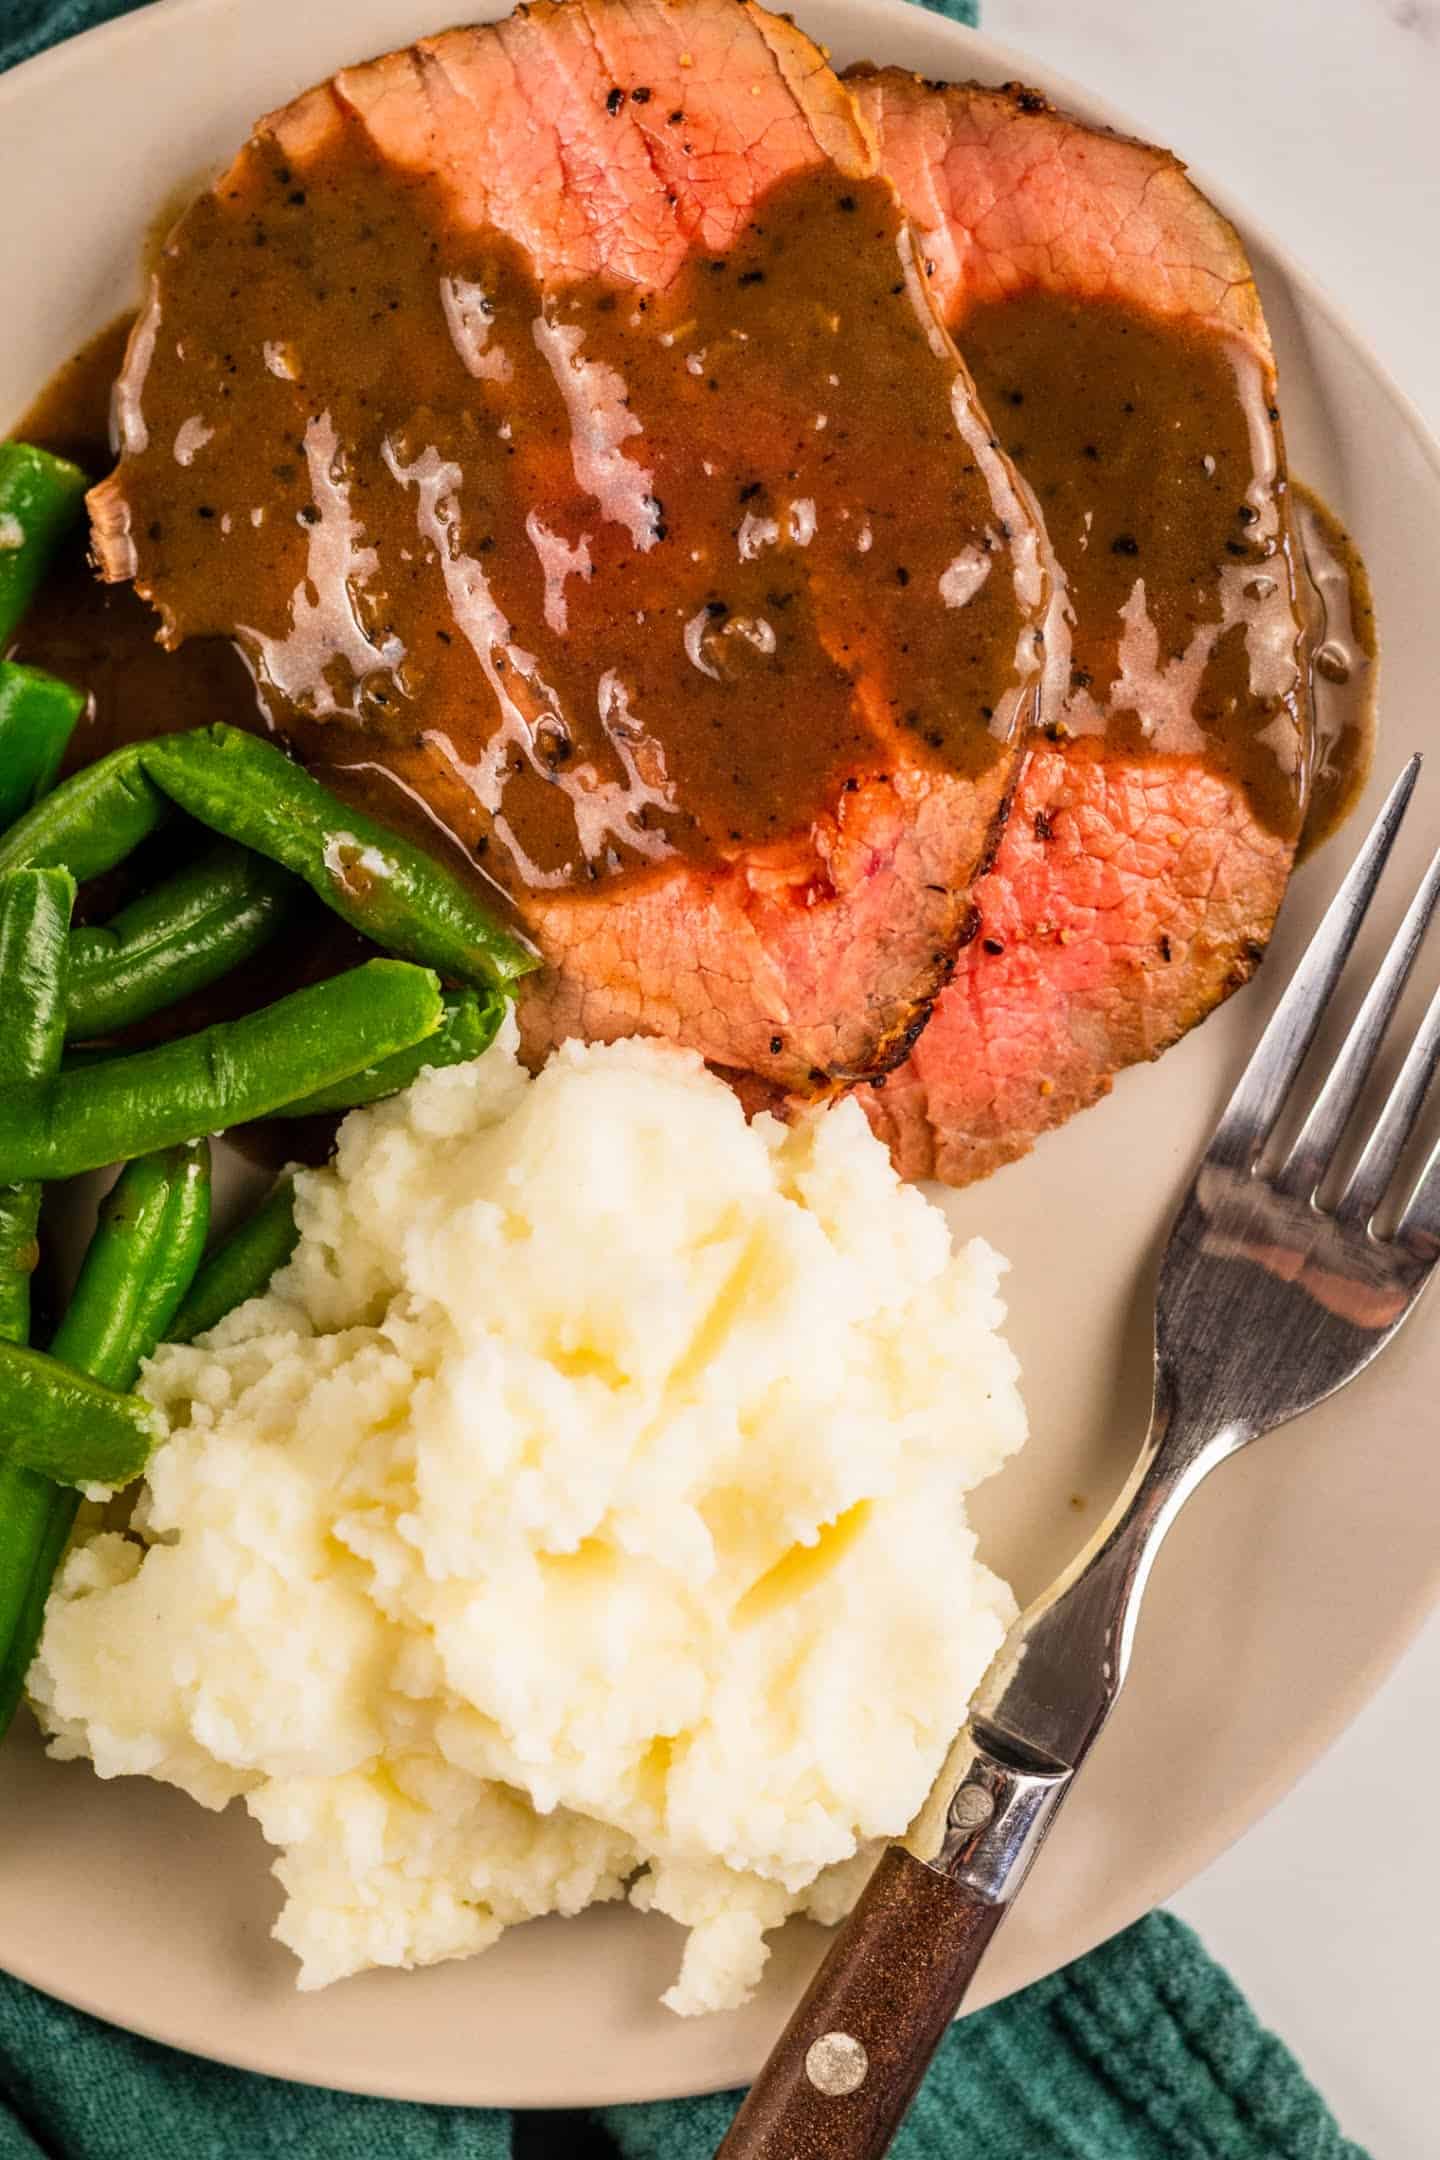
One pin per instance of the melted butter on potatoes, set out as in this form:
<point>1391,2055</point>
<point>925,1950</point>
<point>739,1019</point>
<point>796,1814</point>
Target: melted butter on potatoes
<point>582,1511</point>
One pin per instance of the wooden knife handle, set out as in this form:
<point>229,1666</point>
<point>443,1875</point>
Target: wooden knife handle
<point>849,2062</point>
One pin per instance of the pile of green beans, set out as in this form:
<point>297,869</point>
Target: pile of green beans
<point>69,1416</point>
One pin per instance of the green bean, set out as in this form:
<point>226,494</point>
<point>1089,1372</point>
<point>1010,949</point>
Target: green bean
<point>34,936</point>
<point>179,938</point>
<point>34,926</point>
<point>149,1236</point>
<point>91,822</point>
<point>37,1515</point>
<point>469,1026</point>
<point>40,499</point>
<point>177,1256</point>
<point>139,1266</point>
<point>37,717</point>
<point>382,884</point>
<point>224,1075</point>
<point>241,1265</point>
<point>68,1426</point>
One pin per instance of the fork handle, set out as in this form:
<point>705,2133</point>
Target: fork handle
<point>850,2060</point>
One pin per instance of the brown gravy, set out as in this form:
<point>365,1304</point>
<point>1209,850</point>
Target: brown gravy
<point>1343,668</point>
<point>1154,452</point>
<point>569,567</point>
<point>104,638</point>
<point>1081,369</point>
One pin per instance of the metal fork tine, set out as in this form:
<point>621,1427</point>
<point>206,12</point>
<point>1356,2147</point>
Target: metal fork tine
<point>1370,1180</point>
<point>1318,1138</point>
<point>1252,1110</point>
<point>1419,1226</point>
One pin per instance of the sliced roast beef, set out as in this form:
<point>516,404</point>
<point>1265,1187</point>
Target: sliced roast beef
<point>1111,321</point>
<point>557,415</point>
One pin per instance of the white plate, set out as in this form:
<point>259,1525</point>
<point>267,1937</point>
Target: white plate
<point>1290,1585</point>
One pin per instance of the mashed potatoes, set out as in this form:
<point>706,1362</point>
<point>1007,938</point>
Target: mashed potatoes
<point>581,1514</point>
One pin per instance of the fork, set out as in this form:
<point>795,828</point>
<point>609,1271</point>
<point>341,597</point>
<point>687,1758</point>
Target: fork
<point>1270,1297</point>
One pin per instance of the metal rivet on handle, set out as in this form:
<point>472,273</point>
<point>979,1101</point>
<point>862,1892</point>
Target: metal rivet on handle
<point>971,1808</point>
<point>836,2064</point>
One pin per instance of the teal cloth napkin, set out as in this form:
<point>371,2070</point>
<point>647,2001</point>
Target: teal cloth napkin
<point>1144,2050</point>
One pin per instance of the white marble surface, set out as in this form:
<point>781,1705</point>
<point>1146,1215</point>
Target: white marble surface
<point>1323,117</point>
